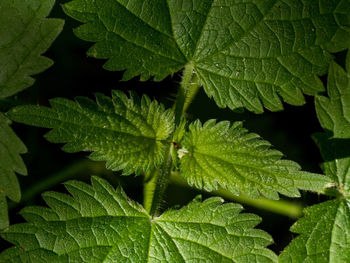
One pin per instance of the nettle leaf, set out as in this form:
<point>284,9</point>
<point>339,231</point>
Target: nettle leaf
<point>99,224</point>
<point>324,234</point>
<point>10,163</point>
<point>325,228</point>
<point>246,53</point>
<point>129,133</point>
<point>333,113</point>
<point>226,155</point>
<point>25,33</point>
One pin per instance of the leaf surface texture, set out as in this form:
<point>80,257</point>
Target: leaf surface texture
<point>334,115</point>
<point>247,54</point>
<point>225,155</point>
<point>10,163</point>
<point>131,134</point>
<point>325,228</point>
<point>99,224</point>
<point>324,235</point>
<point>25,33</point>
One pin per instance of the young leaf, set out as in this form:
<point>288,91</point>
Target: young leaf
<point>99,224</point>
<point>334,116</point>
<point>25,34</point>
<point>130,134</point>
<point>246,53</point>
<point>10,163</point>
<point>324,235</point>
<point>226,155</point>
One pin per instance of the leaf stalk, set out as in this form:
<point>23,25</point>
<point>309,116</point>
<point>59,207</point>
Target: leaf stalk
<point>188,89</point>
<point>286,208</point>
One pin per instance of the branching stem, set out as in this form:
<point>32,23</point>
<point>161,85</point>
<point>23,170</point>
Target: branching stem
<point>157,181</point>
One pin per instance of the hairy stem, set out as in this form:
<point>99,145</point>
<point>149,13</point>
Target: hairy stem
<point>187,91</point>
<point>191,92</point>
<point>155,185</point>
<point>282,207</point>
<point>157,181</point>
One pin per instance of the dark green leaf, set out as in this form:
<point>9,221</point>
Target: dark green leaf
<point>10,163</point>
<point>324,235</point>
<point>25,34</point>
<point>334,115</point>
<point>246,53</point>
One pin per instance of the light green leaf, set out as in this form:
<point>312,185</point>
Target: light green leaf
<point>246,53</point>
<point>324,235</point>
<point>99,224</point>
<point>333,113</point>
<point>10,163</point>
<point>25,34</point>
<point>129,133</point>
<point>226,155</point>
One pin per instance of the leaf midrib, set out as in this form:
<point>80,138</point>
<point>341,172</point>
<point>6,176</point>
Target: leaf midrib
<point>192,241</point>
<point>239,38</point>
<point>176,59</point>
<point>93,126</point>
<point>333,230</point>
<point>268,187</point>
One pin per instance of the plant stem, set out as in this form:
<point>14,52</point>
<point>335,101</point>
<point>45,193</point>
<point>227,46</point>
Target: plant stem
<point>84,166</point>
<point>157,180</point>
<point>155,186</point>
<point>282,207</point>
<point>187,91</point>
<point>191,92</point>
<point>149,186</point>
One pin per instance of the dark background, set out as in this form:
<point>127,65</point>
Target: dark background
<point>74,74</point>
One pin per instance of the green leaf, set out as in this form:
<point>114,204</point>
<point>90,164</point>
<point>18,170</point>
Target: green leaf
<point>246,53</point>
<point>99,224</point>
<point>10,163</point>
<point>25,34</point>
<point>129,133</point>
<point>324,235</point>
<point>4,218</point>
<point>226,155</point>
<point>325,228</point>
<point>333,113</point>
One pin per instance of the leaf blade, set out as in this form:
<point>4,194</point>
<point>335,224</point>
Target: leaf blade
<point>226,155</point>
<point>31,35</point>
<point>10,163</point>
<point>334,116</point>
<point>142,32</point>
<point>129,133</point>
<point>324,231</point>
<point>251,54</point>
<point>325,228</point>
<point>132,234</point>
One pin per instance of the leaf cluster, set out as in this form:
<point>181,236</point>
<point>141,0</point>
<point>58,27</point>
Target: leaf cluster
<point>25,33</point>
<point>245,54</point>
